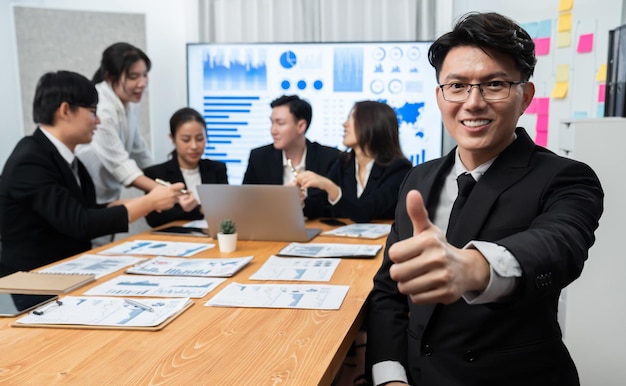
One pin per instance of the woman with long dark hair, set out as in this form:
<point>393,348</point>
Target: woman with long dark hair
<point>364,182</point>
<point>188,134</point>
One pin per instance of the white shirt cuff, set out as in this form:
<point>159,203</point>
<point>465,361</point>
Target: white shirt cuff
<point>337,199</point>
<point>388,371</point>
<point>504,269</point>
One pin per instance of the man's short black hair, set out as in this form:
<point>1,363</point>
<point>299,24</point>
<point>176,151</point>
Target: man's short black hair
<point>299,108</point>
<point>487,31</point>
<point>55,88</point>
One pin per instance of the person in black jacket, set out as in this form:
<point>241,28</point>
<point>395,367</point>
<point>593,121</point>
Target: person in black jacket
<point>291,152</point>
<point>363,183</point>
<point>188,133</point>
<point>48,208</point>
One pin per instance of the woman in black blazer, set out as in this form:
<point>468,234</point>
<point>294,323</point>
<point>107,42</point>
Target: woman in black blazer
<point>363,183</point>
<point>188,133</point>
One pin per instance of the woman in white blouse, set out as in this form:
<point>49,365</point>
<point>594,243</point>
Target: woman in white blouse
<point>118,152</point>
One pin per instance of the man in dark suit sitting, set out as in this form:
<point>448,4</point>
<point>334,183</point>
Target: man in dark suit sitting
<point>291,152</point>
<point>477,305</point>
<point>48,207</point>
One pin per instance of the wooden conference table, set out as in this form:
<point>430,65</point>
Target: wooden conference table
<point>204,345</point>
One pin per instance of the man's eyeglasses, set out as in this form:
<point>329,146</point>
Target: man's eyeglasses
<point>92,108</point>
<point>494,90</point>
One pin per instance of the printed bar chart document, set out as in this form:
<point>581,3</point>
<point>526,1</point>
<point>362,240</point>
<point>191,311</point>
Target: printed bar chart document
<point>93,264</point>
<point>166,286</point>
<point>157,248</point>
<point>105,312</point>
<point>295,268</point>
<point>172,266</point>
<point>363,231</point>
<point>330,250</point>
<point>306,296</point>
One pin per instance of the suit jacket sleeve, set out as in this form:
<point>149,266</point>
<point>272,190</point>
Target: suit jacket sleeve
<point>38,181</point>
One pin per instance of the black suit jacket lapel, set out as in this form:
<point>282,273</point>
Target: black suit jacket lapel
<point>62,165</point>
<point>510,166</point>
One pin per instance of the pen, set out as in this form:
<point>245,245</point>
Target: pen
<point>165,183</point>
<point>137,304</point>
<point>44,309</point>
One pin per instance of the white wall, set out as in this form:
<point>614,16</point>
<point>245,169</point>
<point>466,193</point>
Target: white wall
<point>170,25</point>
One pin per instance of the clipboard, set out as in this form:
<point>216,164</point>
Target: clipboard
<point>158,327</point>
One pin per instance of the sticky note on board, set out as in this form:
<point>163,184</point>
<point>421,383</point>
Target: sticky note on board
<point>542,46</point>
<point>601,74</point>
<point>544,30</point>
<point>531,28</point>
<point>565,5</point>
<point>563,39</point>
<point>560,90</point>
<point>585,43</point>
<point>602,92</point>
<point>562,72</point>
<point>565,22</point>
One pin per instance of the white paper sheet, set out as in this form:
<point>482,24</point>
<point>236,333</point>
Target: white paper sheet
<point>297,269</point>
<point>173,266</point>
<point>157,248</point>
<point>321,296</point>
<point>93,264</point>
<point>165,286</point>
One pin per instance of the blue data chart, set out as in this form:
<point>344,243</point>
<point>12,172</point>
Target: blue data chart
<point>243,69</point>
<point>348,69</point>
<point>232,85</point>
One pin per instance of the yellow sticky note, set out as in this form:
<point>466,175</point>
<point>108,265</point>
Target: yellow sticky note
<point>562,73</point>
<point>563,39</point>
<point>565,5</point>
<point>560,90</point>
<point>601,74</point>
<point>565,22</point>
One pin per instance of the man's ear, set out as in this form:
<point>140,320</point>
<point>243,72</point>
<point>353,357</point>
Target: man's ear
<point>302,126</point>
<point>63,112</point>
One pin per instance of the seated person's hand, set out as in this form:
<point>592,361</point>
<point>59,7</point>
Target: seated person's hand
<point>188,202</point>
<point>165,197</point>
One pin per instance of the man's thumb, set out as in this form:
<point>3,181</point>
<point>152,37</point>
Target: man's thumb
<point>417,211</point>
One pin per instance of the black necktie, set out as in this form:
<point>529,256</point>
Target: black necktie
<point>74,166</point>
<point>466,183</point>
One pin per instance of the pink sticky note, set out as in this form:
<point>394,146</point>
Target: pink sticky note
<point>541,138</point>
<point>601,92</point>
<point>542,46</point>
<point>543,106</point>
<point>585,43</point>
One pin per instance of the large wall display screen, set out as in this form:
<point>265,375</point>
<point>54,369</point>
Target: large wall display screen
<point>232,85</point>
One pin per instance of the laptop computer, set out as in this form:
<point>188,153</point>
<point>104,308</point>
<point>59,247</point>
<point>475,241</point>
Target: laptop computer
<point>261,212</point>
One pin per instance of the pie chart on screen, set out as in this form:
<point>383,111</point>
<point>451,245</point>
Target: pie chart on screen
<point>288,59</point>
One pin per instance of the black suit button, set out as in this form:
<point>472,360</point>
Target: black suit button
<point>428,351</point>
<point>469,356</point>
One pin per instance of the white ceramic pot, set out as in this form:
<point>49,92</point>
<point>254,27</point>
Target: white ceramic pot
<point>227,243</point>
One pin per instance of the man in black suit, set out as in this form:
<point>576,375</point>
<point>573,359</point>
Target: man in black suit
<point>291,152</point>
<point>478,305</point>
<point>48,207</point>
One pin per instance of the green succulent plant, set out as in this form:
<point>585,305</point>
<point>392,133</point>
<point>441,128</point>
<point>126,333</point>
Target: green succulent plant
<point>228,227</point>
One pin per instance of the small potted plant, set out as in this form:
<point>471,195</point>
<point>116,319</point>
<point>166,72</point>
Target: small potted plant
<point>227,236</point>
